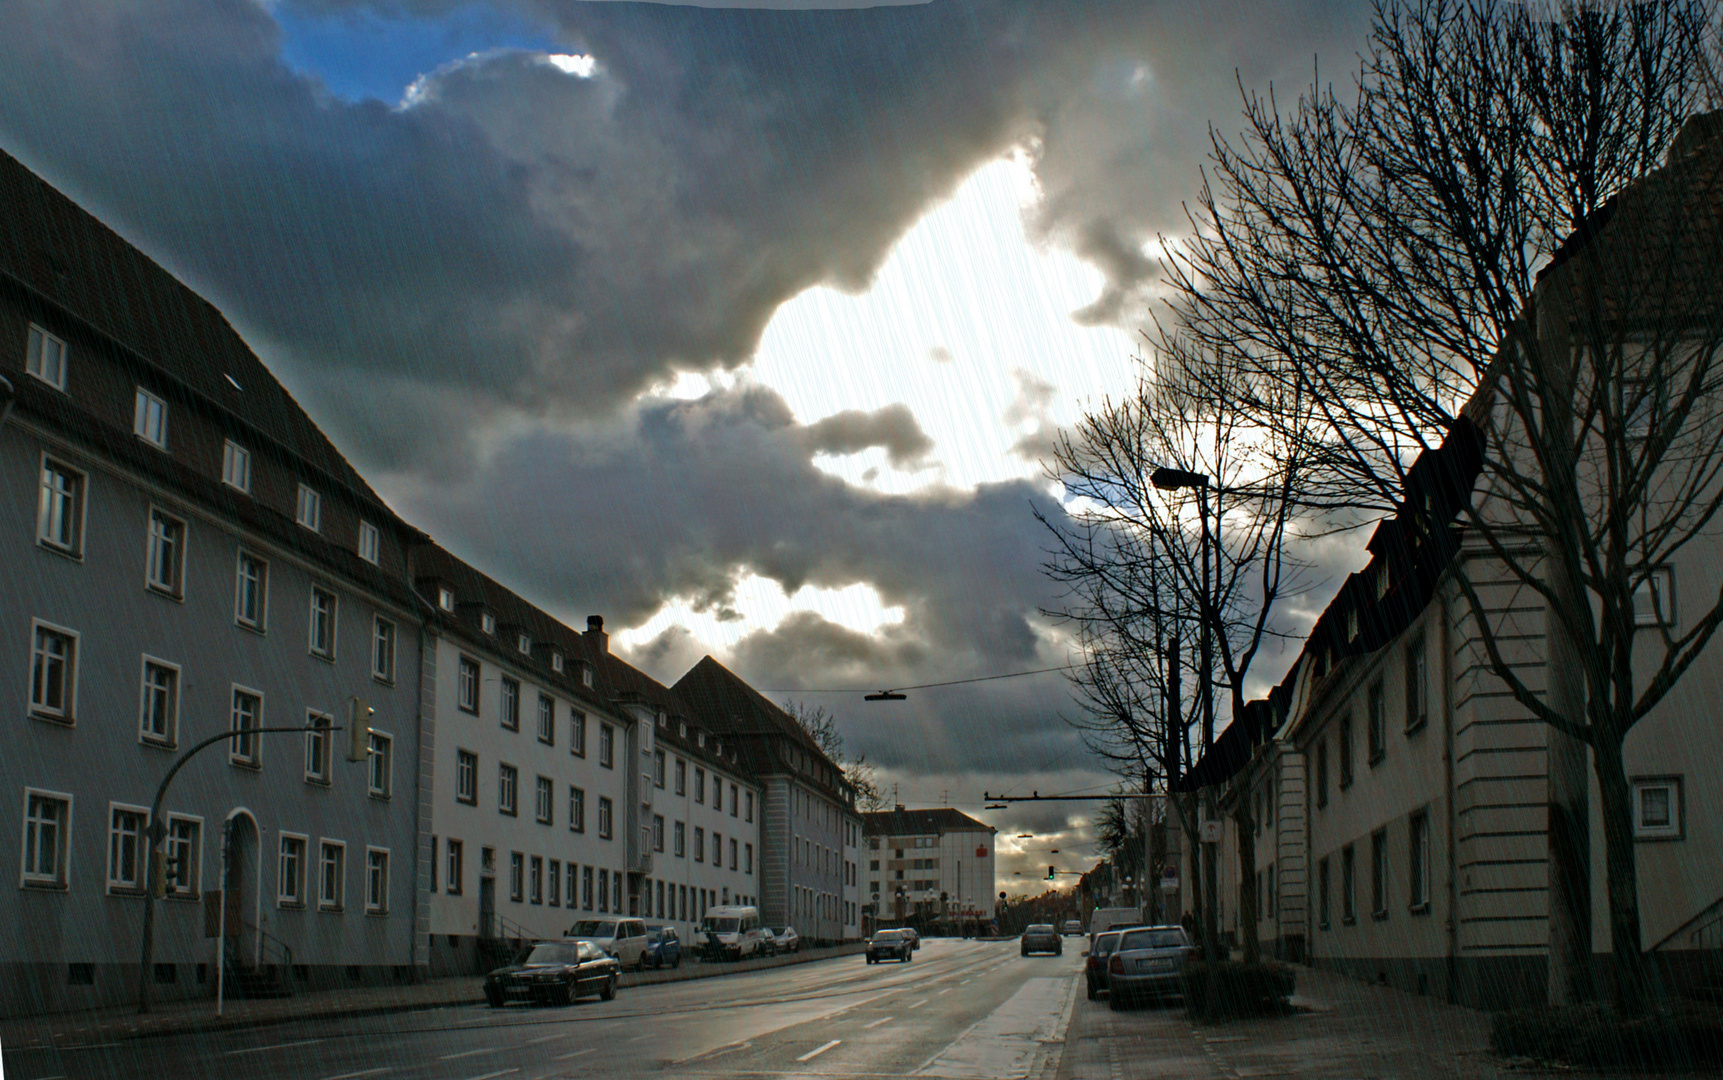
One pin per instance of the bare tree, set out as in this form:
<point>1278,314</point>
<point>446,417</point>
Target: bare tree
<point>1376,258</point>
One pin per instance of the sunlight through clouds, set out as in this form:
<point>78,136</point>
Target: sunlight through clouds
<point>760,604</point>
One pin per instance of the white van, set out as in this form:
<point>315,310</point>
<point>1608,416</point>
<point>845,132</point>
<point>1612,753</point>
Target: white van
<point>733,932</point>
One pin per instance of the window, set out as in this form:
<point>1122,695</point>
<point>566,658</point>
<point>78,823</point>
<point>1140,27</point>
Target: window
<point>446,599</point>
<point>536,880</point>
<point>164,556</point>
<point>251,592</point>
<point>467,777</point>
<point>150,419</point>
<point>331,875</point>
<point>658,768</point>
<point>735,803</point>
<point>699,844</point>
<point>517,876</point>
<point>586,888</point>
<point>699,785</point>
<point>679,840</point>
<point>507,779</point>
<point>370,542</point>
<point>577,733</point>
<point>53,672</point>
<point>586,674</point>
<point>616,884</point>
<point>60,508</point>
<point>317,747</point>
<point>47,832</point>
<point>547,719</point>
<point>1322,894</point>
<point>1654,599</point>
<point>467,685</point>
<point>681,777</point>
<point>748,862</point>
<point>542,801</point>
<point>127,828</point>
<point>376,881</point>
<point>1345,751</point>
<point>236,466</point>
<point>453,876</point>
<point>1322,773</point>
<point>290,872</point>
<point>556,662</point>
<point>1418,862</point>
<point>511,703</point>
<point>380,771</point>
<point>607,746</point>
<point>524,644</point>
<point>604,890</point>
<point>158,707</point>
<point>553,878</point>
<point>184,857</point>
<point>1657,808</point>
<point>1377,728</point>
<point>576,809</point>
<point>750,802</point>
<point>1348,885</point>
<point>487,622</point>
<point>732,853</point>
<point>322,632</point>
<point>382,650</point>
<point>310,509</point>
<point>45,357</point>
<point>1417,685</point>
<point>1379,874</point>
<point>604,815</point>
<point>658,832</point>
<point>246,746</point>
<point>573,892</point>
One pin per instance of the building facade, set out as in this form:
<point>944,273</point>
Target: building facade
<point>937,863</point>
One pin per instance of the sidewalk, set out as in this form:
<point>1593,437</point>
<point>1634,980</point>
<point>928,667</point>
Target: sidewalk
<point>1341,1028</point>
<point>198,1015</point>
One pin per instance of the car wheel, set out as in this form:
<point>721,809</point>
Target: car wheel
<point>493,999</point>
<point>608,990</point>
<point>571,992</point>
<point>1115,1002</point>
<point>1094,994</point>
<point>676,963</point>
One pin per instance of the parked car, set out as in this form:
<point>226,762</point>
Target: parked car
<point>1148,961</point>
<point>1073,928</point>
<point>914,936</point>
<point>663,948</point>
<point>1095,966</point>
<point>890,945</point>
<point>554,973</point>
<point>732,933</point>
<point>1041,937</point>
<point>624,939</point>
<point>787,939</point>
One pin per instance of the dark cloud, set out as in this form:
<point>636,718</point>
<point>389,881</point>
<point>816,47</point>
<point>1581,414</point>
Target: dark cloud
<point>893,427</point>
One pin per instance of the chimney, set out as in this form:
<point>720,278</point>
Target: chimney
<point>595,632</point>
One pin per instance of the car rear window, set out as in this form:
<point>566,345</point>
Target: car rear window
<point>1152,939</point>
<point>1105,944</point>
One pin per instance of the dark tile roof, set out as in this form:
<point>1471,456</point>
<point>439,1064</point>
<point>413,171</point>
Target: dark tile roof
<point>902,822</point>
<point>68,260</point>
<point>728,706</point>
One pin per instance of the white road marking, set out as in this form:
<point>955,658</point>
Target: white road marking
<point>881,1020</point>
<point>947,990</point>
<point>918,1004</point>
<point>493,1076</point>
<point>469,1053</point>
<point>548,1038</point>
<point>356,1075</point>
<point>276,1046</point>
<point>811,1054</point>
<point>577,1053</point>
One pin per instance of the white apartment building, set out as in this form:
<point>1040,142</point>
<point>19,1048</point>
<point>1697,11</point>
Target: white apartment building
<point>936,862</point>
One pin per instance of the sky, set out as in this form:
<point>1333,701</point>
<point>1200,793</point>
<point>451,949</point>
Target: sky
<point>749,328</point>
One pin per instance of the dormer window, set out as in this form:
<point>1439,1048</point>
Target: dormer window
<point>556,662</point>
<point>150,419</point>
<point>370,542</point>
<point>682,728</point>
<point>663,721</point>
<point>446,599</point>
<point>586,675</point>
<point>700,739</point>
<point>46,358</point>
<point>524,644</point>
<point>310,512</point>
<point>236,466</point>
<point>488,623</point>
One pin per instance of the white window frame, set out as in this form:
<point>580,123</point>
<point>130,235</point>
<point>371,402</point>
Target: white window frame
<point>66,712</point>
<point>150,419</point>
<point>194,876</point>
<point>234,756</point>
<point>36,354</point>
<point>325,650</point>
<point>508,789</point>
<point>546,719</point>
<point>48,497</point>
<point>679,839</point>
<point>544,800</point>
<point>370,542</point>
<point>1676,829</point>
<point>454,870</point>
<point>446,599</point>
<point>169,738</point>
<point>606,818</point>
<point>1418,861</point>
<point>467,689</point>
<point>308,509</point>
<point>508,698</point>
<point>487,622</point>
<point>296,898</point>
<point>325,847</point>
<point>376,899</point>
<point>236,466</point>
<point>319,748</point>
<point>576,809</point>
<point>577,733</point>
<point>380,780</point>
<point>1658,607</point>
<point>470,795</point>
<point>556,662</point>
<point>523,642</point>
<point>658,832</point>
<point>153,542</point>
<point>61,878</point>
<point>607,745</point>
<point>139,843</point>
<point>261,622</point>
<point>384,635</point>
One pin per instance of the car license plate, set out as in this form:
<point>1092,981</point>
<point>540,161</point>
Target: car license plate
<point>1154,965</point>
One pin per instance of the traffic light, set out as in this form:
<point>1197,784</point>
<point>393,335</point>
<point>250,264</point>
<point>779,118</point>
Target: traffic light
<point>359,729</point>
<point>1052,872</point>
<point>158,873</point>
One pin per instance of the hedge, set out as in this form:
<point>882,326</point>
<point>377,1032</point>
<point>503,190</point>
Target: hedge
<point>1679,1035</point>
<point>1234,988</point>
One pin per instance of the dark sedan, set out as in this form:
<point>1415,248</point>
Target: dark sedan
<point>1095,967</point>
<point>555,973</point>
<point>663,948</point>
<point>890,945</point>
<point>1042,937</point>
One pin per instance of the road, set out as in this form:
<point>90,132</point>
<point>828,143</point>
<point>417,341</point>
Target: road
<point>960,1009</point>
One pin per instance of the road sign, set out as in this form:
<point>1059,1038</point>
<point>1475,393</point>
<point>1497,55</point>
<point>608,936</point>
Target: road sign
<point>1211,832</point>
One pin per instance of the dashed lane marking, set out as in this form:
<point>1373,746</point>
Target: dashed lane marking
<point>577,1053</point>
<point>812,1054</point>
<point>918,1004</point>
<point>470,1053</point>
<point>274,1046</point>
<point>493,1075</point>
<point>357,1075</point>
<point>548,1038</point>
<point>881,1020</point>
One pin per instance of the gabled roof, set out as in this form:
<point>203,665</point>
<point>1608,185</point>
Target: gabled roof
<point>902,822</point>
<point>725,704</point>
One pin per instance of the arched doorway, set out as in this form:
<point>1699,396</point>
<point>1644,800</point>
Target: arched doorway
<point>241,886</point>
